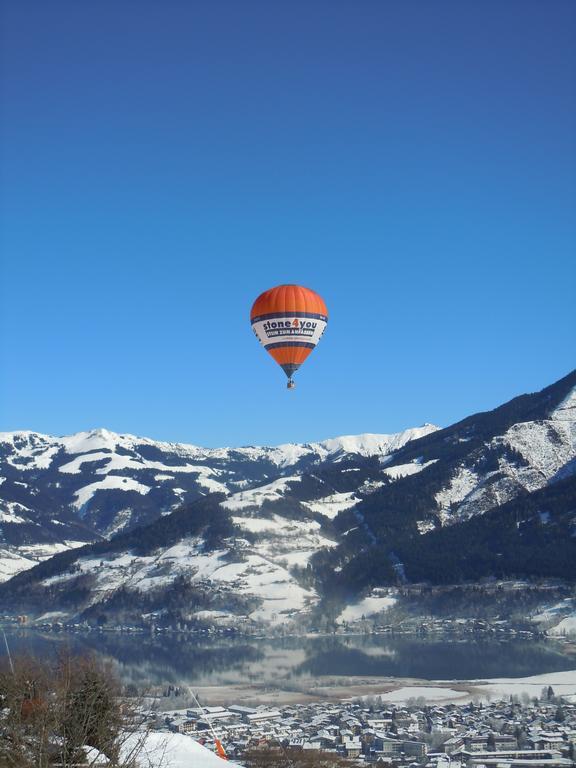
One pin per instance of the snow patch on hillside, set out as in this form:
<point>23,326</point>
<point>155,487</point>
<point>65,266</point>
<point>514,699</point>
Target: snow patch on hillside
<point>332,505</point>
<point>425,526</point>
<point>255,524</point>
<point>462,484</point>
<point>74,467</point>
<point>211,485</point>
<point>30,449</point>
<point>13,560</point>
<point>546,445</point>
<point>205,476</point>
<point>257,496</point>
<point>284,541</point>
<point>402,470</point>
<point>566,627</point>
<point>121,519</point>
<point>559,619</point>
<point>9,512</point>
<point>367,607</point>
<point>83,495</point>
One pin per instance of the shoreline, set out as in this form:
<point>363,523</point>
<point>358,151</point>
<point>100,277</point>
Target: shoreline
<point>391,689</point>
<point>284,690</point>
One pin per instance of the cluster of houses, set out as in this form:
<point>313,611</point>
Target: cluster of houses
<point>501,734</point>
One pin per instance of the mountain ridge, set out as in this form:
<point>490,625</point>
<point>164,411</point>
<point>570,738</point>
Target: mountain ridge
<point>494,495</point>
<point>58,493</point>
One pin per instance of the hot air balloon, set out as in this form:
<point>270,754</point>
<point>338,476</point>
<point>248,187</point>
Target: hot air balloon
<point>289,321</point>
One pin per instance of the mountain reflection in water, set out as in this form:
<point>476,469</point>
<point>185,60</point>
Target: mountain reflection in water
<point>434,660</point>
<point>158,660</point>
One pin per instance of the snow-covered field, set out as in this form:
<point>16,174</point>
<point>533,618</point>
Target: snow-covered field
<point>428,692</point>
<point>112,481</point>
<point>566,627</point>
<point>332,505</point>
<point>365,608</point>
<point>559,619</point>
<point>256,496</point>
<point>563,683</point>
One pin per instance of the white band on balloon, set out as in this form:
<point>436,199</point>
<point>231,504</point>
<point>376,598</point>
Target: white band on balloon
<point>289,330</point>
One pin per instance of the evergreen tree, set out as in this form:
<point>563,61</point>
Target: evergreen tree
<point>559,715</point>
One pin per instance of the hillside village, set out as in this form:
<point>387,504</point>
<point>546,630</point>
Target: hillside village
<point>518,732</point>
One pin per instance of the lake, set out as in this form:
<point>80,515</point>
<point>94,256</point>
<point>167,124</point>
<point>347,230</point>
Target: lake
<point>189,660</point>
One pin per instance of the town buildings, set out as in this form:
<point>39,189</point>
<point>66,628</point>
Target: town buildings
<point>500,734</point>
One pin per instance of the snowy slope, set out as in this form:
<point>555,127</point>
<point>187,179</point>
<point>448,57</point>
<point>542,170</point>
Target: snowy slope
<point>247,581</point>
<point>530,455</point>
<point>270,584</point>
<point>16,559</point>
<point>559,619</point>
<point>170,750</point>
<point>460,475</point>
<point>255,570</point>
<point>61,492</point>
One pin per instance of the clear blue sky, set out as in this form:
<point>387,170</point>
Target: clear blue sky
<point>165,162</point>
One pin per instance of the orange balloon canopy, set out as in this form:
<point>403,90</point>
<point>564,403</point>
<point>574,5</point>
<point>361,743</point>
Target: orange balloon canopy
<point>289,321</point>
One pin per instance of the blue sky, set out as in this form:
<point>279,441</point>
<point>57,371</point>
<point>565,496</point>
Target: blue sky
<point>164,163</point>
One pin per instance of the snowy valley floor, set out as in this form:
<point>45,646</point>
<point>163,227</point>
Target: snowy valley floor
<point>398,690</point>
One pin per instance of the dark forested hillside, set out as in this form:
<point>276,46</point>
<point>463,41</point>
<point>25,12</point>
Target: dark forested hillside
<point>534,535</point>
<point>404,531</point>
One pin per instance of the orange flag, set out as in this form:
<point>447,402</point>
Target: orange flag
<point>220,751</point>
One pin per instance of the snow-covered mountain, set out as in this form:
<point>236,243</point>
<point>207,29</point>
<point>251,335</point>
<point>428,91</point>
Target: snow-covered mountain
<point>58,493</point>
<point>255,536</point>
<point>459,486</point>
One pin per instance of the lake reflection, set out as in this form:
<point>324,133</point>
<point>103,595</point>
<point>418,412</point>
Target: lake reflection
<point>148,660</point>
